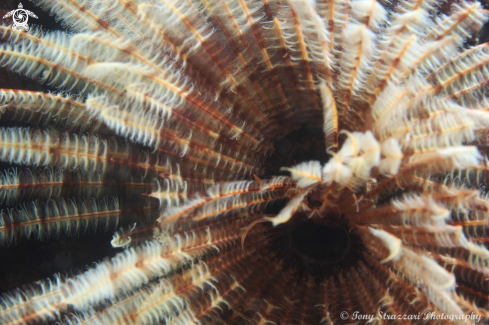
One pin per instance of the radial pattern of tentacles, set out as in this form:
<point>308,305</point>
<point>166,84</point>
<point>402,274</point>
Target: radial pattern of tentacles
<point>261,161</point>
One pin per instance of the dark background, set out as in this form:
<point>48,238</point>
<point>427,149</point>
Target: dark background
<point>31,260</point>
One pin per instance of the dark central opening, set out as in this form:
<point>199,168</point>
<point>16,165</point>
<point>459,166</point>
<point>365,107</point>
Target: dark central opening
<point>298,146</point>
<point>319,247</point>
<point>326,244</point>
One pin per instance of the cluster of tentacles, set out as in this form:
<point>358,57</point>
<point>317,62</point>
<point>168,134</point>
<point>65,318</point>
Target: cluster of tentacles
<point>260,161</point>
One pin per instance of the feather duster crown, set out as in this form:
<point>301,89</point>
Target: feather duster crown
<point>188,123</point>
